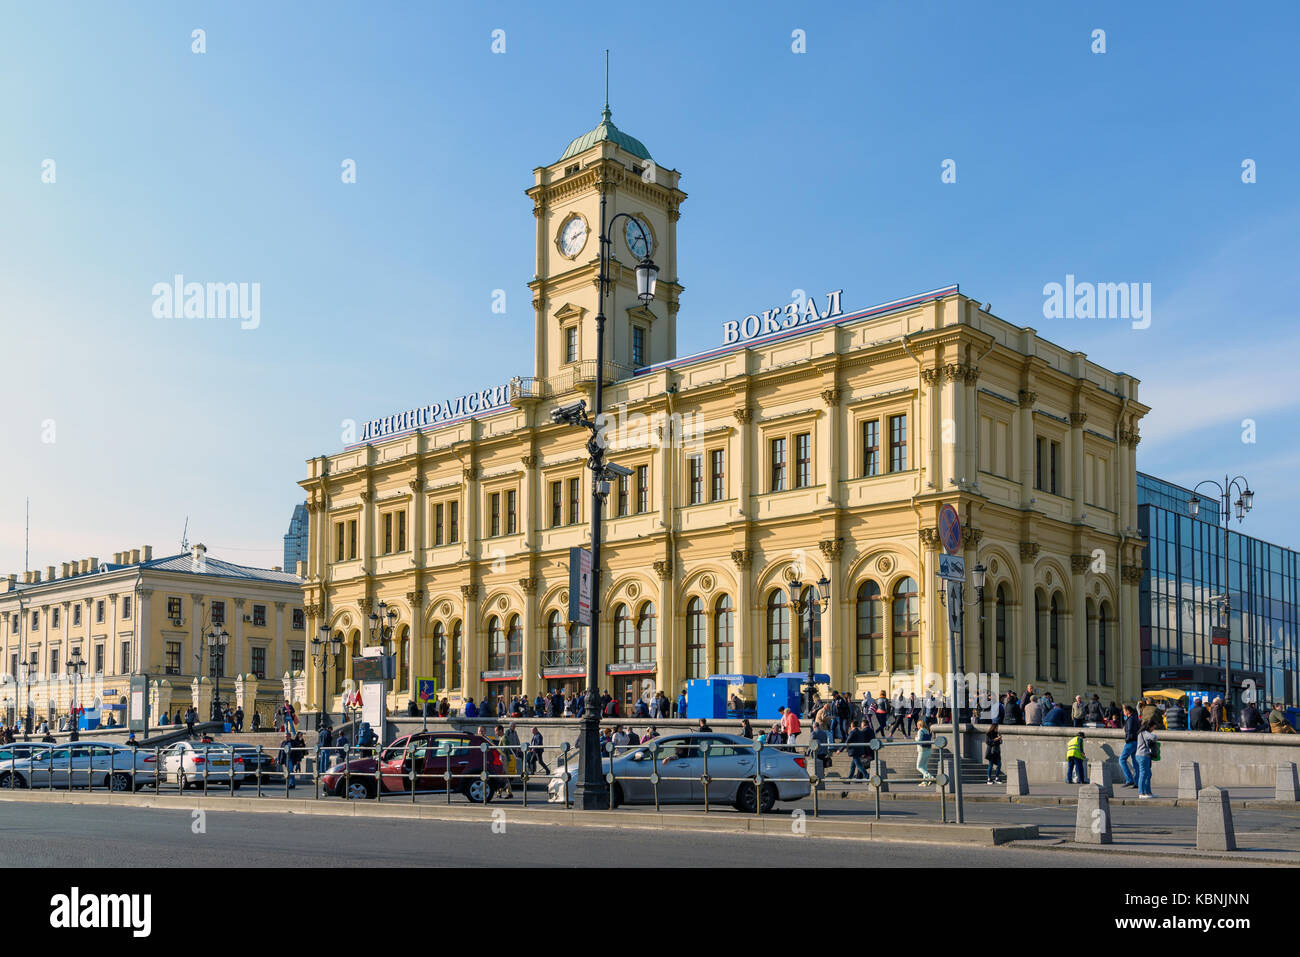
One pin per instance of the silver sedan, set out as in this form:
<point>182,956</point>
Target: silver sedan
<point>676,765</point>
<point>117,767</point>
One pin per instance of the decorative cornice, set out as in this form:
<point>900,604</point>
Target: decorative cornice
<point>742,557</point>
<point>1029,551</point>
<point>664,568</point>
<point>1079,563</point>
<point>1027,399</point>
<point>961,370</point>
<point>931,376</point>
<point>832,548</point>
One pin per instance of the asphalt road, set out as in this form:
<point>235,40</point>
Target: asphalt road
<point>36,835</point>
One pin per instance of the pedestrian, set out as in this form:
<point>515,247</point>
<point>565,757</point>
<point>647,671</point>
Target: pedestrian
<point>842,713</point>
<point>1094,712</point>
<point>900,718</point>
<point>537,752</point>
<point>1015,714</point>
<point>704,727</point>
<point>681,704</point>
<point>860,753</point>
<point>189,723</point>
<point>286,760</point>
<point>1148,750</point>
<point>790,726</point>
<point>923,739</point>
<point>993,753</point>
<point>1175,717</point>
<point>1127,764</point>
<point>1216,714</point>
<point>1277,722</point>
<point>1076,712</point>
<point>471,710</point>
<point>239,720</point>
<point>1074,760</point>
<point>642,709</point>
<point>1249,718</point>
<point>913,712</point>
<point>745,730</point>
<point>1033,713</point>
<point>1056,717</point>
<point>257,721</point>
<point>610,708</point>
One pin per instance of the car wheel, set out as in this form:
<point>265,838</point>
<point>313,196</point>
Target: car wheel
<point>120,782</point>
<point>235,786</point>
<point>479,792</point>
<point>745,797</point>
<point>359,790</point>
<point>769,798</point>
<point>616,796</point>
<point>12,781</point>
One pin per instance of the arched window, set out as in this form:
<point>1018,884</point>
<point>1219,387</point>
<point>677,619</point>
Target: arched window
<point>440,656</point>
<point>1040,636</point>
<point>457,633</point>
<point>404,658</point>
<point>810,629</point>
<point>515,645</point>
<point>907,624</point>
<point>871,629</point>
<point>1090,622</point>
<point>340,664</point>
<point>555,632</point>
<point>496,645</point>
<point>645,633</point>
<point>1055,632</point>
<point>778,632</point>
<point>624,635</point>
<point>1000,632</point>
<point>1103,643</point>
<point>697,638</point>
<point>724,643</point>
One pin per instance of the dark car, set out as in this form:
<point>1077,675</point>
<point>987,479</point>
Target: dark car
<point>430,754</point>
<point>255,760</point>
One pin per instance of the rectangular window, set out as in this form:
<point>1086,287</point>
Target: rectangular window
<point>494,508</point>
<point>803,460</point>
<point>557,498</point>
<point>1047,456</point>
<point>299,620</point>
<point>126,658</point>
<point>437,524</point>
<point>297,659</point>
<point>126,606</point>
<point>695,479</point>
<point>512,524</point>
<point>174,609</point>
<point>717,475</point>
<point>388,533</point>
<point>99,612</point>
<point>13,665</point>
<point>54,623</point>
<point>259,662</point>
<point>898,443</point>
<point>218,612</point>
<point>339,541</point>
<point>871,447</point>
<point>259,616</point>
<point>172,665</point>
<point>401,530</point>
<point>36,621</point>
<point>574,513</point>
<point>76,613</point>
<point>54,661</point>
<point>453,523</point>
<point>638,346</point>
<point>778,466</point>
<point>352,539</point>
<point>621,507</point>
<point>571,344</point>
<point>642,488</point>
<point>99,659</point>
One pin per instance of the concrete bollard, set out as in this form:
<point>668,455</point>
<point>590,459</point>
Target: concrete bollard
<point>1017,779</point>
<point>1214,821</point>
<point>1099,774</point>
<point>1287,788</point>
<point>1092,820</point>
<point>1189,781</point>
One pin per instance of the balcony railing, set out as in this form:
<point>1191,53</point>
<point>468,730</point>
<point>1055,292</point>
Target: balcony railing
<point>562,658</point>
<point>575,375</point>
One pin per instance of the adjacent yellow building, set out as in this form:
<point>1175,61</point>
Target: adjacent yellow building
<point>138,614</point>
<point>815,442</point>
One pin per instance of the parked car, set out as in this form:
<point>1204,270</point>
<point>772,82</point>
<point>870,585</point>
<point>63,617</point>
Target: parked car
<point>21,749</point>
<point>679,763</point>
<point>430,754</point>
<point>190,763</point>
<point>264,760</point>
<point>117,767</point>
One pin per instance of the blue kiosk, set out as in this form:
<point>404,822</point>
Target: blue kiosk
<point>785,691</point>
<point>710,697</point>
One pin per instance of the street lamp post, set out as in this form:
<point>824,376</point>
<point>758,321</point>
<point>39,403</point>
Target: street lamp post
<point>76,663</point>
<point>798,606</point>
<point>28,669</point>
<point>383,624</point>
<point>592,792</point>
<point>1245,502</point>
<point>324,650</point>
<point>979,575</point>
<point>217,639</point>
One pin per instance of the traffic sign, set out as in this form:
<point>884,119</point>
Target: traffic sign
<point>950,530</point>
<point>954,607</point>
<point>427,688</point>
<point>580,586</point>
<point>952,568</point>
<point>1218,636</point>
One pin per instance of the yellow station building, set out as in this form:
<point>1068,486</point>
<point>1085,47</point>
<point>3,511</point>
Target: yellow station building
<point>816,442</point>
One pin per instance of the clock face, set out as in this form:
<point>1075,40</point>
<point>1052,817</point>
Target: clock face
<point>573,236</point>
<point>640,246</point>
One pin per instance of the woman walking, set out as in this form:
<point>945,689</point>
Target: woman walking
<point>1148,750</point>
<point>923,738</point>
<point>993,753</point>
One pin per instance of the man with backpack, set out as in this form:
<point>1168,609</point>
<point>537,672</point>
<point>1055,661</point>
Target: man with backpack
<point>840,714</point>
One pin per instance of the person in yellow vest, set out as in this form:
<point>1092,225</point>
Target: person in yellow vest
<point>1074,760</point>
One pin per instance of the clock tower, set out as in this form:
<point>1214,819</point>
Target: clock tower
<point>566,203</point>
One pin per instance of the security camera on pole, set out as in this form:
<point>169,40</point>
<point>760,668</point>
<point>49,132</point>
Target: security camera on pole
<point>952,570</point>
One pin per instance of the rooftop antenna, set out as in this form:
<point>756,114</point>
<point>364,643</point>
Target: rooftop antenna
<point>606,81</point>
<point>27,548</point>
<point>185,542</point>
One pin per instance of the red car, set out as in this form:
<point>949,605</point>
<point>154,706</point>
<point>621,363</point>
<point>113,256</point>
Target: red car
<point>431,753</point>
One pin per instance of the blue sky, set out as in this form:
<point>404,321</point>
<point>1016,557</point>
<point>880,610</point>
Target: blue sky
<point>811,171</point>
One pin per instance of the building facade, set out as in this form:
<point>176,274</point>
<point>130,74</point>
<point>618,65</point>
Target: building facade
<point>143,615</point>
<point>295,540</point>
<point>814,443</point>
<point>1178,613</point>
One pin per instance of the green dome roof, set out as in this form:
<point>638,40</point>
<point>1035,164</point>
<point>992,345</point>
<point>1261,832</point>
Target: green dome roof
<point>607,131</point>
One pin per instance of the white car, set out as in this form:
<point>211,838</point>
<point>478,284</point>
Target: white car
<point>678,761</point>
<point>190,763</point>
<point>116,767</point>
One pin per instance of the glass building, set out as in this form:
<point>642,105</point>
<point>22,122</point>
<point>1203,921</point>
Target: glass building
<point>295,540</point>
<point>1178,600</point>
